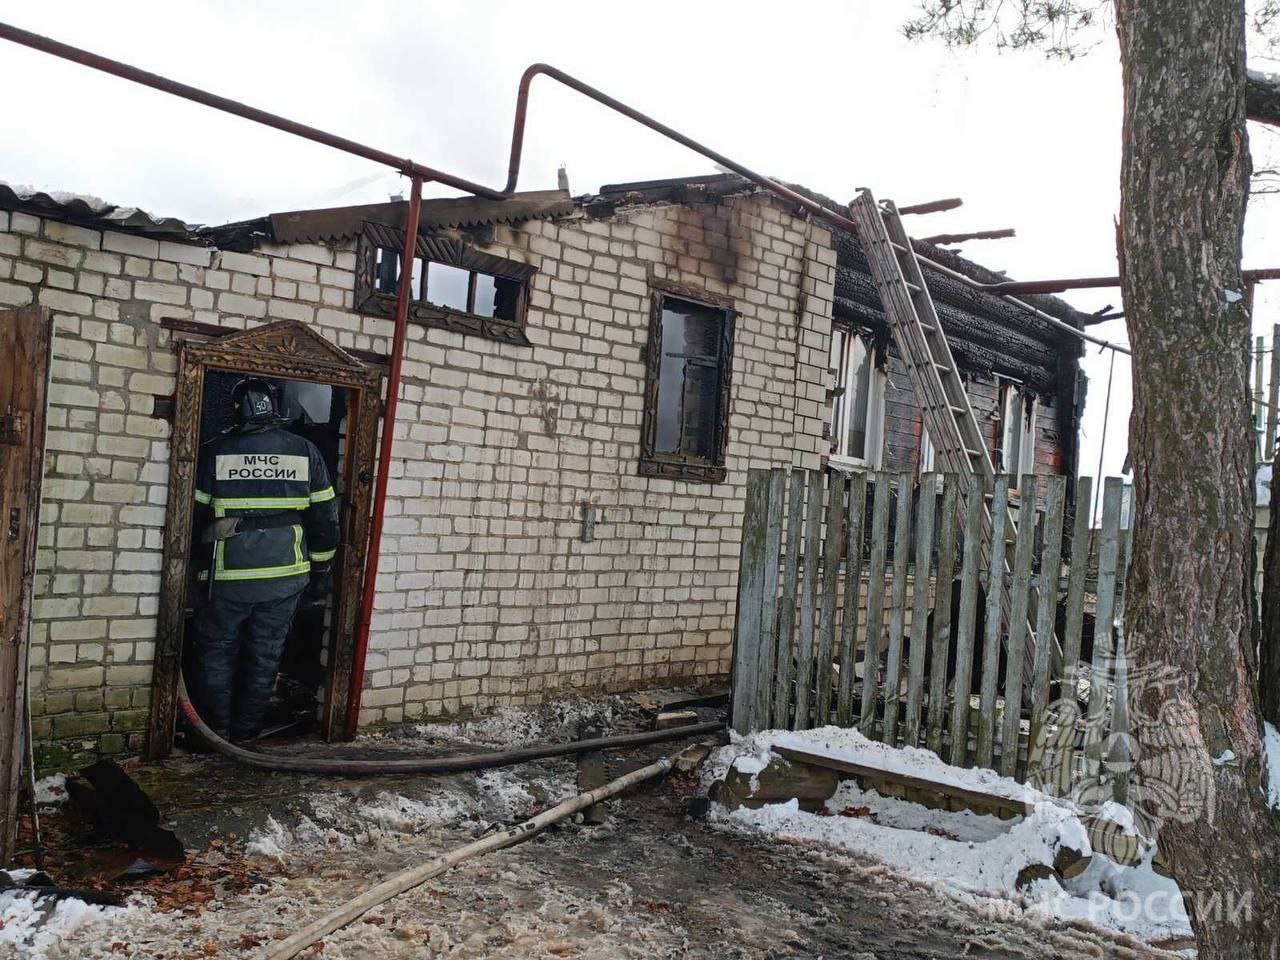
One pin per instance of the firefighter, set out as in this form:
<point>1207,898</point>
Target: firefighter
<point>267,517</point>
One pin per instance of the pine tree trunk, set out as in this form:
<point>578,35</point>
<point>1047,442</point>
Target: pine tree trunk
<point>1184,183</point>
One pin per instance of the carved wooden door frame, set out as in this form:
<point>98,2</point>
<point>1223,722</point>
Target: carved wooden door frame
<point>291,350</point>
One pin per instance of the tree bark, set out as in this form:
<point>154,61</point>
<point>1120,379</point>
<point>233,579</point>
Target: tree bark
<point>1184,184</point>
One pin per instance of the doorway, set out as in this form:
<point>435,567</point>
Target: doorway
<point>330,398</point>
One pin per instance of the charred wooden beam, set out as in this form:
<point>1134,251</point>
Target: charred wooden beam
<point>1001,234</point>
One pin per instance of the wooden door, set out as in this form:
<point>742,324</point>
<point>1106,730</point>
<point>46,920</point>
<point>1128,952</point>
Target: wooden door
<point>25,337</point>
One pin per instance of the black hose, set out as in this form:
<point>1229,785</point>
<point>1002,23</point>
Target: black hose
<point>473,761</point>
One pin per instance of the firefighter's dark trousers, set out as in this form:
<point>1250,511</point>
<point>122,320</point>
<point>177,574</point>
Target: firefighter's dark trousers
<point>239,646</point>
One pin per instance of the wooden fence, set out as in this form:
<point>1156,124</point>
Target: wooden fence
<point>864,601</point>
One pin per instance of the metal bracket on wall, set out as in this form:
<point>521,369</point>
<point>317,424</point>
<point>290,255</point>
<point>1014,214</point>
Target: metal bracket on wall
<point>590,517</point>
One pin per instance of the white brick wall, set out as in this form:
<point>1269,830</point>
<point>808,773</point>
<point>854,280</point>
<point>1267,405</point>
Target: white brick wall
<point>485,593</point>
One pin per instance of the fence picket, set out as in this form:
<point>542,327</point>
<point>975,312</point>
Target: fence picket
<point>969,575</point>
<point>897,612</point>
<point>1019,586</point>
<point>1065,717</point>
<point>875,604</point>
<point>784,657</point>
<point>1047,589</point>
<point>940,635</point>
<point>856,512</point>
<point>769,599</point>
<point>747,635</point>
<point>1103,627</point>
<point>927,506</point>
<point>830,589</point>
<point>808,602</point>
<point>991,639</point>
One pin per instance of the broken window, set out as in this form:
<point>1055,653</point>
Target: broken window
<point>453,285</point>
<point>687,401</point>
<point>1016,453</point>
<point>857,401</point>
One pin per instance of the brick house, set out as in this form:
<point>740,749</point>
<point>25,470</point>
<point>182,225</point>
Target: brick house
<point>587,381</point>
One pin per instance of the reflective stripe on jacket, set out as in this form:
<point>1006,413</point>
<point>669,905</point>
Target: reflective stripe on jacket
<point>264,472</point>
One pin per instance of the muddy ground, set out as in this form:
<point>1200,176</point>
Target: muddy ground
<point>271,852</point>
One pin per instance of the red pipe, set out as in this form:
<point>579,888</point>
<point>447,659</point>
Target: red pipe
<point>403,295</point>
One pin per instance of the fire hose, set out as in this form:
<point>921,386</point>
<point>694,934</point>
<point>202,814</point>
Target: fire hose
<point>348,767</point>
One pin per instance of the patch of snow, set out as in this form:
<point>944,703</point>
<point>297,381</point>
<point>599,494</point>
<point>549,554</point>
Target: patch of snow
<point>51,791</point>
<point>35,927</point>
<point>516,726</point>
<point>270,841</point>
<point>1271,743</point>
<point>979,856</point>
<point>1227,756</point>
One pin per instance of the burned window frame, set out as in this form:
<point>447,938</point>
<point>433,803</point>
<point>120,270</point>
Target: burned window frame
<point>451,252</point>
<point>685,466</point>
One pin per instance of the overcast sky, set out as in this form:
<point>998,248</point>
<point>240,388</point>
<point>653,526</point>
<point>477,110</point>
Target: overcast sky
<point>825,94</point>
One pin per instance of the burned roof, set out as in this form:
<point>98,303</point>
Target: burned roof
<point>988,334</point>
<point>92,212</point>
<point>336,224</point>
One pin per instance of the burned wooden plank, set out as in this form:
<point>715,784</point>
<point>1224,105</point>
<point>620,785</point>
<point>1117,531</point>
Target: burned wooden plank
<point>940,634</point>
<point>857,505</point>
<point>925,788</point>
<point>781,780</point>
<point>920,606</point>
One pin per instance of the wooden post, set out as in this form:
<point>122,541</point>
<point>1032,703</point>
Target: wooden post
<point>969,575</point>
<point>769,600</point>
<point>25,339</point>
<point>1259,414</point>
<point>1050,576</point>
<point>875,603</point>
<point>783,659</point>
<point>808,602</point>
<point>1103,627</point>
<point>747,627</point>
<point>857,508</point>
<point>1020,590</point>
<point>940,636</point>
<point>1273,394</point>
<point>994,623</point>
<point>897,611</point>
<point>830,589</point>
<point>920,606</point>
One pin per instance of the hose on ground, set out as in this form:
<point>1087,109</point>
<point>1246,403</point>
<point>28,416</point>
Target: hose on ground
<point>344,767</point>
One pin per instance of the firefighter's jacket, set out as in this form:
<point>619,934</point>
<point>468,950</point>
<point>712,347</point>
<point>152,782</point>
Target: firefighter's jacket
<point>261,473</point>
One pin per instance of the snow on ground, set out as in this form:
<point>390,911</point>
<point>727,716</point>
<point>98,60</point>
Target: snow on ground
<point>36,928</point>
<point>1271,743</point>
<point>977,855</point>
<point>510,727</point>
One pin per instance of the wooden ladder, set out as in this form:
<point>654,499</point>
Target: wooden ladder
<point>913,321</point>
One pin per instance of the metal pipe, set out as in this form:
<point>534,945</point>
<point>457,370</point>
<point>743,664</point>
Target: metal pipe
<point>391,404</point>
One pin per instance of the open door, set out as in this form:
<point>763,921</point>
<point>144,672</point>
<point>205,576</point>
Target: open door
<point>25,338</point>
<point>282,351</point>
